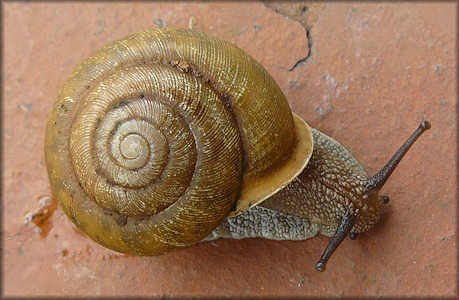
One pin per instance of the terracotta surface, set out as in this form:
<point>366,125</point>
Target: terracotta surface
<point>374,72</point>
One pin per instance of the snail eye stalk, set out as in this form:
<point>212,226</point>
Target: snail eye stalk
<point>377,181</point>
<point>345,226</point>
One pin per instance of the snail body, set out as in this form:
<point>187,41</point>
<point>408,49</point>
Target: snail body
<point>157,138</point>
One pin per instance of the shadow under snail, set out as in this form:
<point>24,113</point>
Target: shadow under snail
<point>170,137</point>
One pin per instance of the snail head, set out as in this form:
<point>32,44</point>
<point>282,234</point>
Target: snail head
<point>360,220</point>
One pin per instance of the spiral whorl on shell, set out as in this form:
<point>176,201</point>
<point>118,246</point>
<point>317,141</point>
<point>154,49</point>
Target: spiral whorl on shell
<point>151,138</point>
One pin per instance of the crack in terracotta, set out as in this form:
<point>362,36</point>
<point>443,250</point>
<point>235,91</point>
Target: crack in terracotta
<point>304,10</point>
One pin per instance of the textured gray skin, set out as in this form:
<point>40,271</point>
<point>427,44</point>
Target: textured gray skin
<point>264,223</point>
<point>335,147</point>
<point>271,224</point>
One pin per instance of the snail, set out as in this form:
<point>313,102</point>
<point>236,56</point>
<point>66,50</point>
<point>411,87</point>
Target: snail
<point>170,137</point>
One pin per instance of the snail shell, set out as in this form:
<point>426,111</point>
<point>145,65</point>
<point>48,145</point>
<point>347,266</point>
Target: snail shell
<point>159,136</point>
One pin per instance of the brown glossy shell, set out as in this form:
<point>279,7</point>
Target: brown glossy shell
<point>154,138</point>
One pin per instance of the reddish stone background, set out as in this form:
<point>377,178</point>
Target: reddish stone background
<point>374,72</point>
